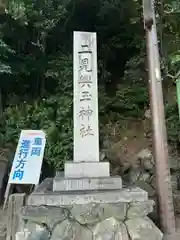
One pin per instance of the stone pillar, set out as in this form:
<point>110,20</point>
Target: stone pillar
<point>86,126</point>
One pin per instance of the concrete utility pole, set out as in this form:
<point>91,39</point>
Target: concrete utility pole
<point>163,178</point>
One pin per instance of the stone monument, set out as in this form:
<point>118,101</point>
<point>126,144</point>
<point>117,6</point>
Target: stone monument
<point>84,202</point>
<point>85,167</point>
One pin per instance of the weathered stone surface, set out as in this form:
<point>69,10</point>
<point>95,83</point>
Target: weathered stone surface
<point>146,159</point>
<point>102,155</point>
<point>137,174</point>
<point>152,181</point>
<point>31,226</point>
<point>87,215</point>
<point>22,235</point>
<point>107,143</point>
<point>146,187</point>
<point>85,197</point>
<point>41,233</point>
<point>75,184</point>
<point>178,222</point>
<point>59,174</point>
<point>110,229</point>
<point>86,169</point>
<point>3,222</point>
<point>147,114</point>
<point>174,181</point>
<point>91,221</point>
<point>42,214</point>
<point>38,233</point>
<point>93,213</point>
<point>155,216</point>
<point>140,209</point>
<point>145,153</point>
<point>2,238</point>
<point>45,186</point>
<point>71,231</point>
<point>143,229</point>
<point>16,201</point>
<point>176,201</point>
<point>174,162</point>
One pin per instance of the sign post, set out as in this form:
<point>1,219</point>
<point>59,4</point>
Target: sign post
<point>26,166</point>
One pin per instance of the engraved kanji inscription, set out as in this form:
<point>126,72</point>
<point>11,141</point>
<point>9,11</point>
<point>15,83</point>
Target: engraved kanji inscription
<point>85,113</point>
<point>86,96</point>
<point>86,131</point>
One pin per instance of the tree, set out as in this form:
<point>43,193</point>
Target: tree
<point>36,65</point>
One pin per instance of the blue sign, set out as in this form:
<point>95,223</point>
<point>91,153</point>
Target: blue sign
<point>26,167</point>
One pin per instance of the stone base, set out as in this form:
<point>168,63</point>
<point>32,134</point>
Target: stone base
<point>91,215</point>
<point>77,184</point>
<point>44,195</point>
<point>108,229</point>
<point>86,169</point>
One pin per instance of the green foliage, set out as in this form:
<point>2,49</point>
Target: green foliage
<point>52,113</point>
<point>4,53</point>
<point>126,104</point>
<point>36,66</point>
<point>173,124</point>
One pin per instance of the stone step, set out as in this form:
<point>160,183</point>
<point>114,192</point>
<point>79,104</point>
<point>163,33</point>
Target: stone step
<point>43,197</point>
<point>77,184</point>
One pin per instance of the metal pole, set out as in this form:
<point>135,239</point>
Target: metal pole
<point>163,178</point>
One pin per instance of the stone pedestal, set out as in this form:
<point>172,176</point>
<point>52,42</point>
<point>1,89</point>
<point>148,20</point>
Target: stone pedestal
<point>86,169</point>
<point>100,210</point>
<point>84,184</point>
